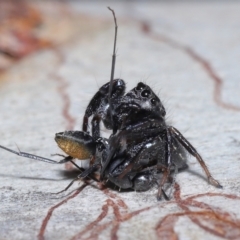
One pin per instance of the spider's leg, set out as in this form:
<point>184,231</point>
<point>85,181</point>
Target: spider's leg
<point>166,171</point>
<point>96,127</point>
<point>94,105</point>
<point>187,145</point>
<point>165,195</point>
<point>149,147</point>
<point>173,179</point>
<point>38,158</point>
<point>99,105</point>
<point>85,123</point>
<point>135,131</point>
<point>144,179</point>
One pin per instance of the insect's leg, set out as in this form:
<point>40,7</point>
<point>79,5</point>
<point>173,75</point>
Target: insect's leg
<point>70,159</point>
<point>86,173</point>
<point>38,158</point>
<point>109,91</point>
<point>65,158</point>
<point>187,145</point>
<point>68,186</point>
<point>57,154</point>
<point>89,171</point>
<point>113,66</point>
<point>83,175</point>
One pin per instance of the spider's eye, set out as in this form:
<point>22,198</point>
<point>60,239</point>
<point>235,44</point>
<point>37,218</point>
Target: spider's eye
<point>118,89</point>
<point>101,147</point>
<point>163,112</point>
<point>145,93</point>
<point>153,101</point>
<point>140,86</point>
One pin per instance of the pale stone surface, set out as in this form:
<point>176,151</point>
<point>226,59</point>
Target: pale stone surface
<point>34,94</point>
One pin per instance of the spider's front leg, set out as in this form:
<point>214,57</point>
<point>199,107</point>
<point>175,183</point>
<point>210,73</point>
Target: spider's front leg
<point>134,132</point>
<point>99,107</point>
<point>187,145</point>
<point>168,162</point>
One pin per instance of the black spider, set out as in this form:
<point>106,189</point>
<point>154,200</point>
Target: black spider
<point>142,149</point>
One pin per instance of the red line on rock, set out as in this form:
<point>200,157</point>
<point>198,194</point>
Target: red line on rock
<point>93,224</point>
<point>218,82</point>
<point>212,219</point>
<point>62,86</point>
<point>50,212</point>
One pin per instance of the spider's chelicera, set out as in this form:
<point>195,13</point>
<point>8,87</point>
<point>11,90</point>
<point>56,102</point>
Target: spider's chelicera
<point>142,150</point>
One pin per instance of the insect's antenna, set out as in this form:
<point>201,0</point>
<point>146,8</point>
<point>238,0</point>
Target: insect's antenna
<point>113,58</point>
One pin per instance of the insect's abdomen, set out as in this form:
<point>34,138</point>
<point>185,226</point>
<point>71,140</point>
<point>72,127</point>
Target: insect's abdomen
<point>76,144</point>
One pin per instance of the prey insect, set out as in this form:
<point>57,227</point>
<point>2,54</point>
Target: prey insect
<point>142,150</point>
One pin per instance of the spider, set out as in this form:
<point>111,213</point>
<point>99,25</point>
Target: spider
<point>142,150</point>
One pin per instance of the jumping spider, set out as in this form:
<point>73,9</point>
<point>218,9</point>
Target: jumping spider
<point>142,149</point>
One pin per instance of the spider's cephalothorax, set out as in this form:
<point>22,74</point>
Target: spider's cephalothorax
<point>142,150</point>
<point>139,103</point>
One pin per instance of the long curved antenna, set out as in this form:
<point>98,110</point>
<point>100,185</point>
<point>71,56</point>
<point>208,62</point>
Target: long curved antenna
<point>35,157</point>
<point>113,59</point>
<point>42,159</point>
